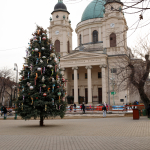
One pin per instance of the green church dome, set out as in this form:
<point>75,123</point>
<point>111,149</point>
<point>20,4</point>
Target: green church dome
<point>95,9</point>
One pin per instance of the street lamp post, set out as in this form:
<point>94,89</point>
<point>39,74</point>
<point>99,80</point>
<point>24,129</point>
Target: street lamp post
<point>16,69</point>
<point>113,83</point>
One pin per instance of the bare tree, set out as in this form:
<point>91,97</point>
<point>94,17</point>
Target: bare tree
<point>6,83</point>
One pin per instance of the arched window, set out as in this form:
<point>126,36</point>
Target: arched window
<point>57,46</point>
<point>113,40</point>
<point>80,39</point>
<point>68,46</point>
<point>95,36</point>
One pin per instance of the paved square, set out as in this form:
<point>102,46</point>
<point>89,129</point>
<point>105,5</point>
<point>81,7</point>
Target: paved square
<point>76,134</point>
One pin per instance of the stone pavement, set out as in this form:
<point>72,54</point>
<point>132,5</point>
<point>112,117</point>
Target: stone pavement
<point>122,133</point>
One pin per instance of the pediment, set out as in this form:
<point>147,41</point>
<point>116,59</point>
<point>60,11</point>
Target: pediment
<point>80,55</point>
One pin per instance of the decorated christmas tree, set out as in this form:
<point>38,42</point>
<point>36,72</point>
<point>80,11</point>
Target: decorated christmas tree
<point>41,86</point>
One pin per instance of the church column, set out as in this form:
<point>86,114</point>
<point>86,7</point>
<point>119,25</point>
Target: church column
<point>99,37</point>
<point>75,84</point>
<point>90,39</point>
<point>89,84</point>
<point>104,91</point>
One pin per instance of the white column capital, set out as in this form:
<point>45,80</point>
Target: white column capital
<point>88,67</point>
<point>103,66</point>
<point>74,68</point>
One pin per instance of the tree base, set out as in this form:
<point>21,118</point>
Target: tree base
<point>41,123</point>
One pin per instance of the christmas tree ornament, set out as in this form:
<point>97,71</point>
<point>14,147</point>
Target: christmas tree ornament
<point>22,88</point>
<point>23,97</point>
<point>44,94</point>
<point>44,38</point>
<point>45,107</point>
<point>39,39</point>
<point>63,79</point>
<point>59,94</point>
<point>50,78</point>
<point>50,66</point>
<point>43,33</point>
<point>57,86</point>
<point>28,83</point>
<point>38,69</point>
<point>28,74</point>
<point>43,48</point>
<point>35,81</point>
<point>50,58</point>
<point>50,47</point>
<point>55,59</point>
<point>52,71</point>
<point>32,100</point>
<point>41,61</point>
<point>52,55</point>
<point>39,54</point>
<point>48,89</point>
<point>55,67</point>
<point>20,78</point>
<point>43,79</point>
<point>44,70</point>
<point>53,80</point>
<point>53,88</point>
<point>37,61</point>
<point>47,61</point>
<point>57,77</point>
<point>44,86</point>
<point>44,57</point>
<point>52,101</point>
<point>40,89</point>
<point>36,49</point>
<point>31,87</point>
<point>36,76</point>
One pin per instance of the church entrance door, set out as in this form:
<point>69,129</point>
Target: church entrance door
<point>100,95</point>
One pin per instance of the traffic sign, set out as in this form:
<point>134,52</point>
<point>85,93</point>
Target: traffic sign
<point>113,93</point>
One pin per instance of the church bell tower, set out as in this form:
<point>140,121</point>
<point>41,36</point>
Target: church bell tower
<point>60,31</point>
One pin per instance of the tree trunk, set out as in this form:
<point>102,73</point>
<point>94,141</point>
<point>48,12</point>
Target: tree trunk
<point>41,121</point>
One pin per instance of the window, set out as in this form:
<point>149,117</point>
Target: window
<point>99,74</point>
<point>112,8</point>
<point>80,39</point>
<point>95,36</point>
<point>113,40</point>
<point>114,70</point>
<point>68,46</point>
<point>57,16</point>
<point>85,75</point>
<point>57,46</point>
<point>72,76</point>
<point>121,100</point>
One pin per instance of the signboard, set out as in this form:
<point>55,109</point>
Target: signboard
<point>113,93</point>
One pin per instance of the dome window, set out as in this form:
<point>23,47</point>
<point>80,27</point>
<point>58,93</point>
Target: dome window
<point>113,40</point>
<point>80,39</point>
<point>95,36</point>
<point>57,16</point>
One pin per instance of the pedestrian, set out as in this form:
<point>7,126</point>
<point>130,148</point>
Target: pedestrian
<point>70,108</point>
<point>74,107</point>
<point>123,107</point>
<point>148,111</point>
<point>83,108</point>
<point>107,106</point>
<point>104,103</point>
<point>5,111</point>
<point>90,107</point>
<point>2,110</point>
<point>104,111</point>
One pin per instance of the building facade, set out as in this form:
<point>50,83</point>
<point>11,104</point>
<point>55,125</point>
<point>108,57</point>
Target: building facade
<point>91,68</point>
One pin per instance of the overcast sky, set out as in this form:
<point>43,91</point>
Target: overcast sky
<point>18,18</point>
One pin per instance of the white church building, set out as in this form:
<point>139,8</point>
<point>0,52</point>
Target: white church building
<point>101,38</point>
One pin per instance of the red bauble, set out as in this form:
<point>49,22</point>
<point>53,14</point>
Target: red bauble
<point>44,38</point>
<point>44,94</point>
<point>63,80</point>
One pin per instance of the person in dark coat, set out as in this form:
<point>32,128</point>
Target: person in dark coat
<point>74,107</point>
<point>104,111</point>
<point>83,108</point>
<point>148,111</point>
<point>2,110</point>
<point>5,111</point>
